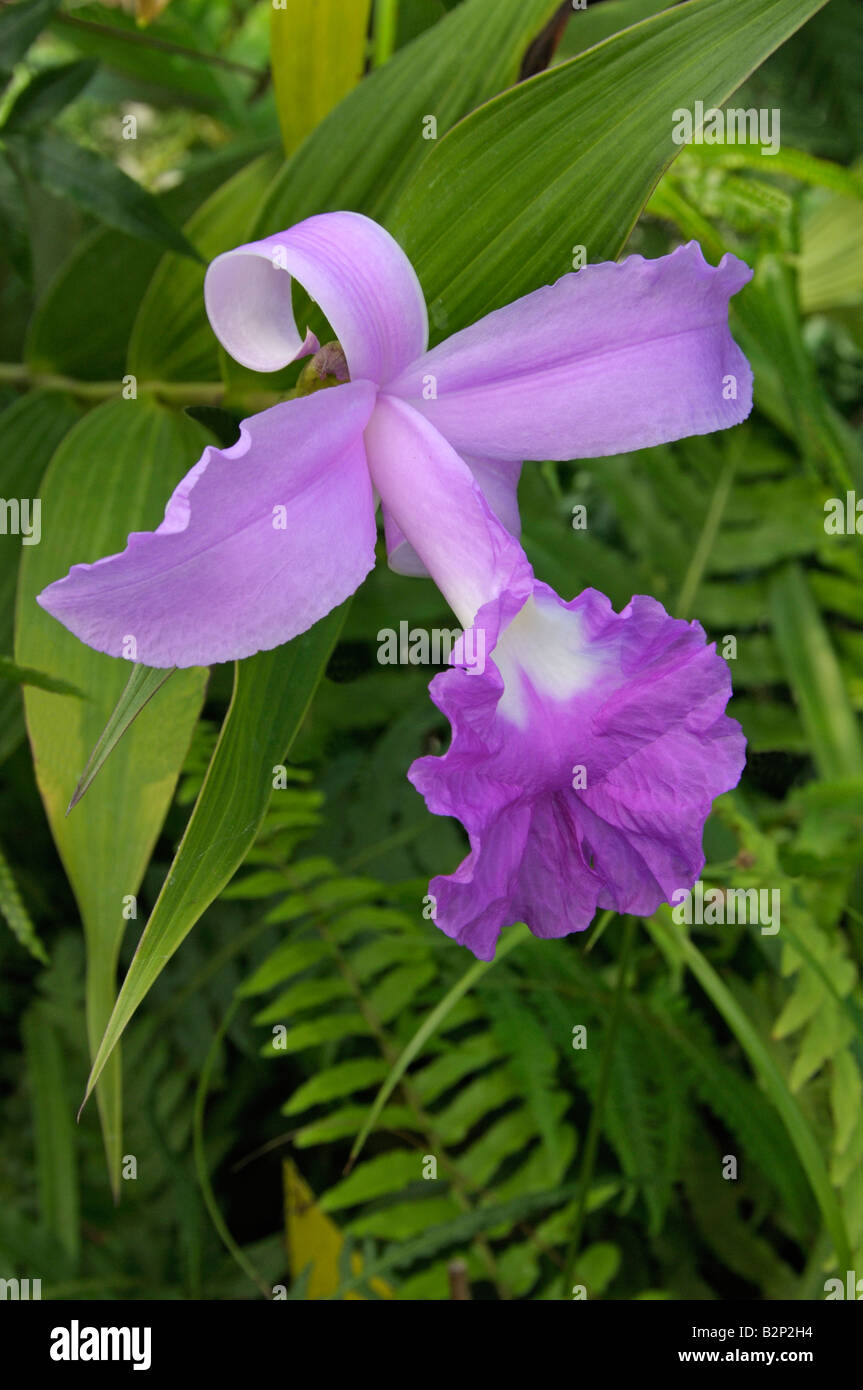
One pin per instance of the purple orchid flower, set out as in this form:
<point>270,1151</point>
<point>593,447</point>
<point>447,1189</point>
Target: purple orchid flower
<point>586,755</point>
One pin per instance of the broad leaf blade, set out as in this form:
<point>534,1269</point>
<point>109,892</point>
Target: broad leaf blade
<point>362,153</point>
<point>316,54</point>
<point>111,475</point>
<point>32,429</point>
<point>534,161</point>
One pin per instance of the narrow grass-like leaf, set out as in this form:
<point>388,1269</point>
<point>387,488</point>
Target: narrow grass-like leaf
<point>140,688</point>
<point>272,692</point>
<point>805,1141</point>
<point>815,677</point>
<point>428,1028</point>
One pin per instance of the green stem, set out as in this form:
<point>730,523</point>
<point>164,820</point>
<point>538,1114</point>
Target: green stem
<point>706,541</point>
<point>116,34</point>
<point>201,1160</point>
<point>385,29</point>
<point>591,1145</point>
<point>172,392</point>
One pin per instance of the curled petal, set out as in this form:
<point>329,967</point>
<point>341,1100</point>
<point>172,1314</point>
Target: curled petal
<point>583,764</point>
<point>431,497</point>
<point>611,358</point>
<point>351,267</point>
<point>259,541</point>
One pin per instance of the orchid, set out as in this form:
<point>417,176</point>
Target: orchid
<point>262,539</point>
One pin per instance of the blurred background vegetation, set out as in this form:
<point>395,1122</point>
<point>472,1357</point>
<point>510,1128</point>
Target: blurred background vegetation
<point>555,1165</point>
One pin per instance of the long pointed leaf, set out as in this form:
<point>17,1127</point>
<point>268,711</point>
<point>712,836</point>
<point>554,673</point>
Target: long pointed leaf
<point>110,476</point>
<point>272,692</point>
<point>140,688</point>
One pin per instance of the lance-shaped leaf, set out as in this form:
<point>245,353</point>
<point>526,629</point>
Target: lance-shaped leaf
<point>361,154</point>
<point>317,54</point>
<point>46,95</point>
<point>502,201</point>
<point>19,25</point>
<point>137,692</point>
<point>96,186</point>
<point>111,475</point>
<point>272,692</point>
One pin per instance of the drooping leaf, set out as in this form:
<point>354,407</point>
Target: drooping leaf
<point>19,25</point>
<point>97,187</point>
<point>46,95</point>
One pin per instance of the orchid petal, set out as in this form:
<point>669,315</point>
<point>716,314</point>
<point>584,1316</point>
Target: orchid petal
<point>583,764</point>
<point>258,542</point>
<point>498,483</point>
<point>351,267</point>
<point>431,496</point>
<point>611,358</point>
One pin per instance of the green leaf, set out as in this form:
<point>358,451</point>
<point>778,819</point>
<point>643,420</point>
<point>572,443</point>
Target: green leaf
<point>344,1079</point>
<point>46,95</point>
<point>15,913</point>
<point>55,1131</point>
<point>19,25</point>
<point>110,476</point>
<point>138,691</point>
<point>379,1176</point>
<point>25,675</point>
<point>428,1028</point>
<point>534,162</point>
<point>815,677</point>
<point>172,339</point>
<point>362,153</point>
<point>97,187</point>
<point>177,66</point>
<point>32,428</point>
<point>109,272</point>
<point>317,53</point>
<point>272,692</point>
<point>599,22</point>
<point>676,945</point>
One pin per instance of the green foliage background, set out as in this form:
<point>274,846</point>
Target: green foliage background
<point>299,963</point>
